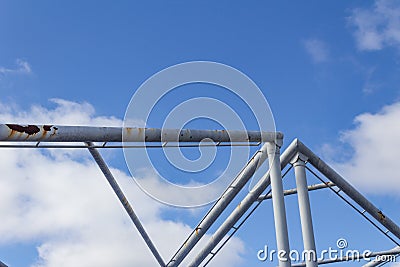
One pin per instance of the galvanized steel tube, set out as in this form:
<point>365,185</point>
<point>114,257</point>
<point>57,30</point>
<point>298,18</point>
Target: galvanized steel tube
<point>245,204</point>
<point>278,204</point>
<point>305,212</point>
<point>348,189</point>
<point>124,201</point>
<point>226,198</point>
<point>55,133</point>
<point>294,190</point>
<point>379,260</point>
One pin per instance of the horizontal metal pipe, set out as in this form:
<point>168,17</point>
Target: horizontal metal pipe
<point>233,189</point>
<point>245,204</point>
<point>348,189</point>
<point>171,145</point>
<point>294,190</point>
<point>354,257</point>
<point>55,133</point>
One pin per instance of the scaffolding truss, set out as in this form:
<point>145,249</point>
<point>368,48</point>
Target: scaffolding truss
<point>296,156</point>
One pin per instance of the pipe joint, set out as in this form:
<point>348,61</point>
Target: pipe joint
<point>299,159</point>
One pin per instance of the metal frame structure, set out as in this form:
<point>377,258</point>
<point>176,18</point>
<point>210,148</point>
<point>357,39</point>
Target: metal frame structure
<point>296,155</point>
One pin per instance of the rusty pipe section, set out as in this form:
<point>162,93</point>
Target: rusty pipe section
<point>55,133</point>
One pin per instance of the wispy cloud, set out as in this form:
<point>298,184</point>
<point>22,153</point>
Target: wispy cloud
<point>317,49</point>
<point>74,218</point>
<point>370,86</point>
<point>378,26</point>
<point>22,67</point>
<point>368,72</point>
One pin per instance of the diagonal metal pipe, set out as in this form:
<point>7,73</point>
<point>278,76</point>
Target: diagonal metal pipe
<point>241,179</point>
<point>124,201</point>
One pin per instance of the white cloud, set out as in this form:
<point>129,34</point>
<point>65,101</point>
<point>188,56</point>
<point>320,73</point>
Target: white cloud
<point>23,67</point>
<point>65,205</point>
<point>378,26</point>
<point>65,112</point>
<point>317,49</point>
<point>372,164</point>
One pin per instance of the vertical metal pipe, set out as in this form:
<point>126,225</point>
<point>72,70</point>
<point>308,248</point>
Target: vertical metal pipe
<point>310,252</point>
<point>278,203</point>
<point>124,201</point>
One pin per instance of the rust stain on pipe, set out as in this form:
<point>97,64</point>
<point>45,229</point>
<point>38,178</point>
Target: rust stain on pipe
<point>47,127</point>
<point>381,216</point>
<point>55,130</point>
<point>29,129</point>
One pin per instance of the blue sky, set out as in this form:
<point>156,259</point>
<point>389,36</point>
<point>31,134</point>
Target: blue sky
<point>329,70</point>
